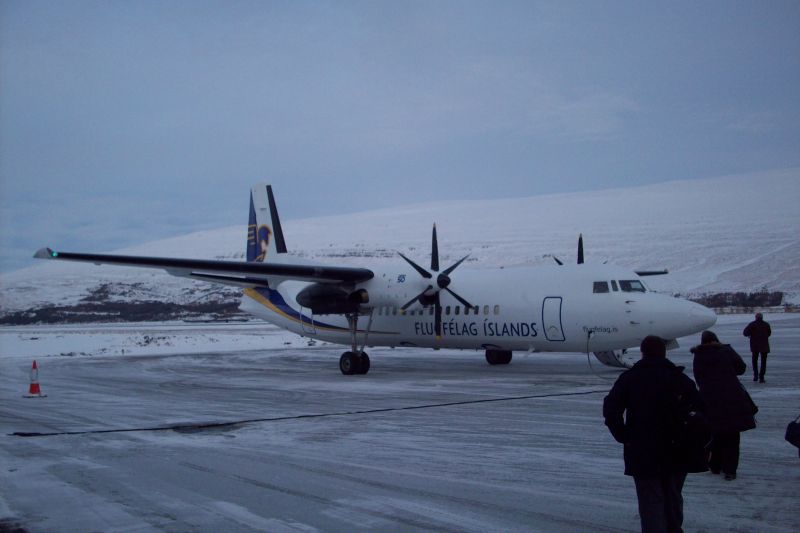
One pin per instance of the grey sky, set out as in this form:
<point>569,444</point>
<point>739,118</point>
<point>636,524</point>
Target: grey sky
<point>122,122</point>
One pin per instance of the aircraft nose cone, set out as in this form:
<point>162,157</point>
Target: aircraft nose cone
<point>703,316</point>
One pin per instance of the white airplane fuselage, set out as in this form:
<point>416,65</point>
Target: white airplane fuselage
<point>566,308</point>
<point>548,309</point>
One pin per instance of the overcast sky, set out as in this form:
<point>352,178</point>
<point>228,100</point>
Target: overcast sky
<point>126,121</point>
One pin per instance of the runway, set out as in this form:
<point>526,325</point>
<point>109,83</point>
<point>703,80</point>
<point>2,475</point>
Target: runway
<point>194,434</point>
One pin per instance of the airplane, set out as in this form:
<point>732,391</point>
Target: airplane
<point>603,309</point>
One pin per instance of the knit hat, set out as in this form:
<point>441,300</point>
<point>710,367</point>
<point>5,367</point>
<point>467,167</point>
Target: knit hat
<point>653,346</point>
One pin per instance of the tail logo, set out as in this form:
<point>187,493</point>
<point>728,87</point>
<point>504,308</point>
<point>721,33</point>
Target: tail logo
<point>258,238</point>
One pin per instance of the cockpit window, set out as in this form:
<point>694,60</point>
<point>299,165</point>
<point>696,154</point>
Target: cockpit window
<point>600,286</point>
<point>631,285</point>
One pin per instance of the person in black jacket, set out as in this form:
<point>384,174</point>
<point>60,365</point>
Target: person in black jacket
<point>729,408</point>
<point>647,394</point>
<point>759,332</point>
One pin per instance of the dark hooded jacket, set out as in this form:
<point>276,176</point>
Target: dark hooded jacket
<point>759,332</point>
<point>646,395</point>
<point>727,403</point>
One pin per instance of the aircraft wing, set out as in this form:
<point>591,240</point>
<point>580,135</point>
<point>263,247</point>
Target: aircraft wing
<point>237,273</point>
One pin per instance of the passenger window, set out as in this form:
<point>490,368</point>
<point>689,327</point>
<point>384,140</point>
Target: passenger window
<point>631,285</point>
<point>457,309</point>
<point>614,285</point>
<point>476,310</point>
<point>600,286</point>
<point>485,309</point>
<point>447,310</point>
<point>497,309</point>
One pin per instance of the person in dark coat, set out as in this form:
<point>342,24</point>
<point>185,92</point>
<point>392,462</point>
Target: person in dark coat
<point>728,407</point>
<point>647,395</point>
<point>759,332</point>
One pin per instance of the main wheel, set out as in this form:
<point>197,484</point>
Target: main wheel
<point>349,363</point>
<point>363,363</point>
<point>498,357</point>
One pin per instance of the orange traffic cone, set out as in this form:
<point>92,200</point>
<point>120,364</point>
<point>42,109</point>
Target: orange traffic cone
<point>34,391</point>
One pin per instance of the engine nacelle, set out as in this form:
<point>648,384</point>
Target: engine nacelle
<point>326,299</point>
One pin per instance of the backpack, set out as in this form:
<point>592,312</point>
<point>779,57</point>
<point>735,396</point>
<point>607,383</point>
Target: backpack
<point>793,432</point>
<point>690,432</point>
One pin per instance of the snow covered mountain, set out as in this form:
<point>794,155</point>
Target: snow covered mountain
<point>729,234</point>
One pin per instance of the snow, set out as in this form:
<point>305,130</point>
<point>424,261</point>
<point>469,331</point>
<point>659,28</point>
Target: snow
<point>736,233</point>
<point>142,339</point>
<point>428,440</point>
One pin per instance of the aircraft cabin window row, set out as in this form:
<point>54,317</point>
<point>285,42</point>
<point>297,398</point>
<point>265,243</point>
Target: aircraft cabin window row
<point>446,310</point>
<point>630,285</point>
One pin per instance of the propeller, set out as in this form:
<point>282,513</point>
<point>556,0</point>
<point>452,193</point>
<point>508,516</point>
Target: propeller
<point>580,251</point>
<point>431,294</point>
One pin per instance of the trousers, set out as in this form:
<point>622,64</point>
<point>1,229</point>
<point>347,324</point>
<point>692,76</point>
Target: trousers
<point>756,373</point>
<point>724,452</point>
<point>661,502</point>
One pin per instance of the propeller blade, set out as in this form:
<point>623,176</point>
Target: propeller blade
<point>422,272</point>
<point>434,251</point>
<point>437,324</point>
<point>459,298</point>
<point>558,261</point>
<point>447,272</point>
<point>417,297</point>
<point>580,249</point>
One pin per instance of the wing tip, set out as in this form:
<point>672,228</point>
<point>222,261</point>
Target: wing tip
<point>662,272</point>
<point>45,253</point>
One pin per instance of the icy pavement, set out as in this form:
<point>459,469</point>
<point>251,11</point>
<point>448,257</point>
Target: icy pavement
<point>426,441</point>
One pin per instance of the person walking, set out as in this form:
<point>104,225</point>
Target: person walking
<point>759,332</point>
<point>728,407</point>
<point>647,394</point>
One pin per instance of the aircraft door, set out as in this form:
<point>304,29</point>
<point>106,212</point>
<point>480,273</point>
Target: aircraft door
<point>551,318</point>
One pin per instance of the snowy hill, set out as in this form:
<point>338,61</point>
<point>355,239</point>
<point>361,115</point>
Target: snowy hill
<point>727,234</point>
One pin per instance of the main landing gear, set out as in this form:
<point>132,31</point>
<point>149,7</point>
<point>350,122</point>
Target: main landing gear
<point>498,357</point>
<point>355,361</point>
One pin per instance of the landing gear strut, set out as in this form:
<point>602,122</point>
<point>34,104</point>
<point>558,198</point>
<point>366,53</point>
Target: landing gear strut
<point>498,357</point>
<point>355,361</point>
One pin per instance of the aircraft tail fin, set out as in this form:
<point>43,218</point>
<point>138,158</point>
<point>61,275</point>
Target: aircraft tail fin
<point>264,232</point>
